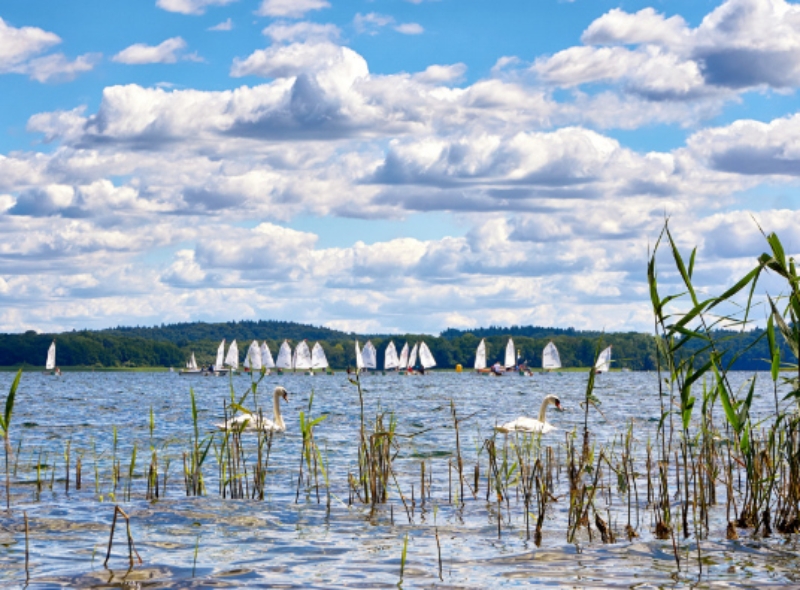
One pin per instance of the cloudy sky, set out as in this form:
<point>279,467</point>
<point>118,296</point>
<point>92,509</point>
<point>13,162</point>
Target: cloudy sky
<point>385,165</point>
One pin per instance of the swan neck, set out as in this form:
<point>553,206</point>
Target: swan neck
<point>543,410</point>
<point>276,410</point>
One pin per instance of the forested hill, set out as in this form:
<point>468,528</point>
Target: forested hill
<point>171,345</point>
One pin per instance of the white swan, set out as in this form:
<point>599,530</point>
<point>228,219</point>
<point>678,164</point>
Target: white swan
<point>523,424</point>
<point>254,423</point>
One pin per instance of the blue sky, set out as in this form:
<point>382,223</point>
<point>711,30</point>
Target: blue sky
<point>384,165</point>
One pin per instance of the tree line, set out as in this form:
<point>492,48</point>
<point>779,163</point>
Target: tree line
<point>172,345</point>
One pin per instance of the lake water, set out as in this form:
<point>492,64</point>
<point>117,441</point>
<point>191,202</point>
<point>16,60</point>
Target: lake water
<point>280,542</point>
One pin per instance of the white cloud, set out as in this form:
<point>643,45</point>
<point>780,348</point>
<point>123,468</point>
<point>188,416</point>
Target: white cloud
<point>410,29</point>
<point>190,6</point>
<point>283,32</point>
<point>165,52</point>
<point>290,8</point>
<point>58,68</point>
<point>371,22</point>
<point>439,74</point>
<point>226,25</point>
<point>17,45</point>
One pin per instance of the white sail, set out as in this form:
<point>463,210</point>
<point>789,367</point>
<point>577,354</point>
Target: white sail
<point>232,358</point>
<point>284,360</point>
<point>511,354</point>
<point>302,356</point>
<point>266,356</point>
<point>550,358</point>
<point>480,355</point>
<point>50,364</point>
<point>370,356</point>
<point>412,356</point>
<point>218,364</point>
<point>425,357</point>
<point>390,357</point>
<point>192,363</point>
<point>318,358</point>
<point>359,357</point>
<point>253,359</point>
<point>403,362</point>
<point>603,364</point>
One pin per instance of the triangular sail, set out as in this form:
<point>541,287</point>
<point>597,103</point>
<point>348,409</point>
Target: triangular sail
<point>511,354</point>
<point>218,364</point>
<point>284,360</point>
<point>412,356</point>
<point>480,355</point>
<point>302,356</point>
<point>359,357</point>
<point>603,364</point>
<point>370,356</point>
<point>318,358</point>
<point>50,364</point>
<point>193,363</point>
<point>550,358</point>
<point>425,357</point>
<point>232,359</point>
<point>403,361</point>
<point>266,356</point>
<point>390,360</point>
<point>253,359</point>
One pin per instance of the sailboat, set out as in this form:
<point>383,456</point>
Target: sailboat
<point>511,355</point>
<point>191,367</point>
<point>219,363</point>
<point>425,357</point>
<point>284,360</point>
<point>402,362</point>
<point>252,360</point>
<point>550,359</point>
<point>412,359</point>
<point>232,358</point>
<point>50,363</point>
<point>603,364</point>
<point>302,358</point>
<point>369,356</point>
<point>390,360</point>
<point>266,358</point>
<point>480,358</point>
<point>318,359</point>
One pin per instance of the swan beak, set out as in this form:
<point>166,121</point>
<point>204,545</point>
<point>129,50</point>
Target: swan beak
<point>558,406</point>
<point>285,396</point>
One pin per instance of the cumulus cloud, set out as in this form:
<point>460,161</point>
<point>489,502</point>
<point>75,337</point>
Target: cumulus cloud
<point>165,52</point>
<point>741,44</point>
<point>20,51</point>
<point>290,8</point>
<point>190,6</point>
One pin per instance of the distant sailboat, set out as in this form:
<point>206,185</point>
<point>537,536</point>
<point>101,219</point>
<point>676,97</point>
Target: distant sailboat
<point>603,364</point>
<point>191,367</point>
<point>425,357</point>
<point>480,357</point>
<point>302,357</point>
<point>252,360</point>
<point>550,359</point>
<point>318,359</point>
<point>232,358</point>
<point>50,363</point>
<point>412,357</point>
<point>511,355</point>
<point>390,360</point>
<point>219,363</point>
<point>402,362</point>
<point>266,357</point>
<point>284,360</point>
<point>369,356</point>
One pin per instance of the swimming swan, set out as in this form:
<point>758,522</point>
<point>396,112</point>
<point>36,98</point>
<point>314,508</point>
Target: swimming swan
<point>254,423</point>
<point>523,424</point>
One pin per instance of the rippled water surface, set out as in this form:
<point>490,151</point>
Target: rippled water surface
<point>214,542</point>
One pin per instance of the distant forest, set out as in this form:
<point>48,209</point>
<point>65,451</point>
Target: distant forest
<point>171,345</point>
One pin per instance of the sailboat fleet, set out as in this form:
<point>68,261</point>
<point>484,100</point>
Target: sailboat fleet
<point>551,361</point>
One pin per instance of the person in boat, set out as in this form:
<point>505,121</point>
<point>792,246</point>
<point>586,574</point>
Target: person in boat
<point>497,369</point>
<point>421,370</point>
